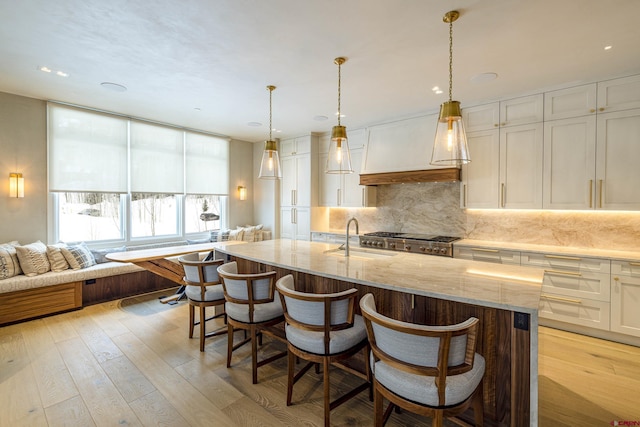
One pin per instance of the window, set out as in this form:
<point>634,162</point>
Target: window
<point>117,179</point>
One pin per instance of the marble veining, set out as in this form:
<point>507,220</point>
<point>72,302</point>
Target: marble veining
<point>434,208</point>
<point>490,285</point>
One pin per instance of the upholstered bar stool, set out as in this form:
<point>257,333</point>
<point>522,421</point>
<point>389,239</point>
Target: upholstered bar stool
<point>428,370</point>
<point>251,305</point>
<point>203,289</point>
<point>323,329</point>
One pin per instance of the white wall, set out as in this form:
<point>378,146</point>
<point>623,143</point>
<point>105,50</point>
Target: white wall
<point>23,148</point>
<point>240,174</point>
<point>266,196</point>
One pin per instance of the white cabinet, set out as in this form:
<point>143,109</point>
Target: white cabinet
<point>295,223</point>
<point>617,154</point>
<point>511,112</point>
<point>298,187</point>
<point>619,94</point>
<point>571,102</point>
<point>344,190</point>
<point>575,290</point>
<point>569,172</point>
<point>496,256</point>
<point>481,177</point>
<point>625,297</point>
<point>521,149</point>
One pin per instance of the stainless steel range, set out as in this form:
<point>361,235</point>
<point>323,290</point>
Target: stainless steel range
<point>408,242</point>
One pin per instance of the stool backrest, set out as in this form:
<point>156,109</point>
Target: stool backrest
<point>198,272</point>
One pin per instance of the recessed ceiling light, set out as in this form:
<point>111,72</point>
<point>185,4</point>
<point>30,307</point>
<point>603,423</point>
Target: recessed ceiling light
<point>608,47</point>
<point>320,118</point>
<point>484,77</point>
<point>254,124</point>
<point>45,69</point>
<point>115,87</point>
<point>436,89</point>
<point>197,108</point>
<point>62,74</point>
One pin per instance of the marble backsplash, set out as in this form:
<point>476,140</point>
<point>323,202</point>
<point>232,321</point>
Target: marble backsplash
<point>434,208</point>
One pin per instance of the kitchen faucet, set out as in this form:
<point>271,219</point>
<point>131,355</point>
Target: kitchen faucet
<point>346,246</point>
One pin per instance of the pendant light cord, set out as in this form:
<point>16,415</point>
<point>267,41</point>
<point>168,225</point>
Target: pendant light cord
<point>270,115</point>
<point>450,60</point>
<point>339,66</point>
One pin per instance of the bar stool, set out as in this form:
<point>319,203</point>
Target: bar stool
<point>251,305</point>
<point>428,370</point>
<point>203,289</point>
<point>323,329</point>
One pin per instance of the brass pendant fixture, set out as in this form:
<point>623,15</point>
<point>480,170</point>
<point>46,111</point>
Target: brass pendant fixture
<point>270,164</point>
<point>450,147</point>
<point>339,158</point>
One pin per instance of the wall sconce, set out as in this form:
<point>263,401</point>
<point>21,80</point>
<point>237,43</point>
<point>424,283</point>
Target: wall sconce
<point>16,185</point>
<point>242,192</point>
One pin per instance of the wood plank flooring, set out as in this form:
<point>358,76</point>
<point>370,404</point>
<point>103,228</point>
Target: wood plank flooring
<point>131,363</point>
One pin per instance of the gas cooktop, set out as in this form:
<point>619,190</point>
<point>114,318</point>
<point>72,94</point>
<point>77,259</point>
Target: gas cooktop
<point>430,244</point>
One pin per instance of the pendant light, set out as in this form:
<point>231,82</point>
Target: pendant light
<point>270,164</point>
<point>450,147</point>
<point>339,158</point>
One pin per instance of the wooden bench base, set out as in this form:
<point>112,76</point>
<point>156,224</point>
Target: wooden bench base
<point>30,303</point>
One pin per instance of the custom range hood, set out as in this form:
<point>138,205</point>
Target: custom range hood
<point>429,175</point>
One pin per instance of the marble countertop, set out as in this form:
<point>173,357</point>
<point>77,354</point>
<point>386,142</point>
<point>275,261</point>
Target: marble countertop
<point>563,250</point>
<point>491,285</point>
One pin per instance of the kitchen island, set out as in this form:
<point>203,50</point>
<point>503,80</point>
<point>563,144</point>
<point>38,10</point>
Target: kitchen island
<point>436,291</point>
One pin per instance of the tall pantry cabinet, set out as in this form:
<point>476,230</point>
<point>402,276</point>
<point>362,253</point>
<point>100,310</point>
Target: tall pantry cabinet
<point>298,188</point>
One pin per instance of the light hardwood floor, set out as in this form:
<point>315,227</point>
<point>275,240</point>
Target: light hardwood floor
<point>130,363</point>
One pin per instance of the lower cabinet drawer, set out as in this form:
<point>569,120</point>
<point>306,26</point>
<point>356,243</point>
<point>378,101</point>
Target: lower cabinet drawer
<point>578,311</point>
<point>497,256</point>
<point>577,285</point>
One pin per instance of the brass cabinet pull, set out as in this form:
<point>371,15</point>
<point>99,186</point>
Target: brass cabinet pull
<point>601,109</point>
<point>593,110</point>
<point>485,250</point>
<point>600,195</point>
<point>590,193</point>
<point>413,301</point>
<point>502,195</point>
<point>362,197</point>
<point>566,273</point>
<point>569,258</point>
<point>555,298</point>
<point>292,203</point>
<point>464,195</point>
<point>635,264</point>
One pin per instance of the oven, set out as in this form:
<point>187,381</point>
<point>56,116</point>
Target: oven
<point>429,244</point>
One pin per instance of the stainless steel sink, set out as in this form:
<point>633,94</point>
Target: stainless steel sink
<point>361,253</point>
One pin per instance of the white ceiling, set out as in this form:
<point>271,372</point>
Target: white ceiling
<point>205,64</point>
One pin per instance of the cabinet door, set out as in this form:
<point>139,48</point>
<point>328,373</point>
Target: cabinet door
<point>481,177</point>
<point>521,167</point>
<point>287,223</point>
<point>577,311</point>
<point>303,180</point>
<point>353,194</point>
<point>572,102</point>
<point>293,146</point>
<point>519,111</point>
<point>288,183</point>
<point>481,117</point>
<point>619,94</point>
<point>569,163</point>
<point>617,154</point>
<point>496,256</point>
<point>328,184</point>
<point>625,298</point>
<point>302,218</point>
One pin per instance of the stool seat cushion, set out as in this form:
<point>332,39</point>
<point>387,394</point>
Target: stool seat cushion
<point>261,312</point>
<point>341,340</point>
<point>212,293</point>
<point>422,389</point>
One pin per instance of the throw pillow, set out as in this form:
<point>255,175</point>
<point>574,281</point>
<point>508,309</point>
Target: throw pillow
<point>100,254</point>
<point>236,234</point>
<point>223,235</point>
<point>9,264</point>
<point>33,258</point>
<point>248,234</point>
<point>78,256</point>
<point>56,258</point>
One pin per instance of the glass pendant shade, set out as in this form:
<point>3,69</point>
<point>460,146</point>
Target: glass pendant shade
<point>270,164</point>
<point>339,157</point>
<point>450,147</point>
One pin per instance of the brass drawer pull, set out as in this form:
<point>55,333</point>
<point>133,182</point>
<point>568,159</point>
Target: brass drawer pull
<point>567,273</point>
<point>634,264</point>
<point>590,193</point>
<point>554,298</point>
<point>568,258</point>
<point>485,250</point>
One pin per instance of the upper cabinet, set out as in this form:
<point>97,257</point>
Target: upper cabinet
<point>401,146</point>
<point>619,94</point>
<point>512,112</point>
<point>571,102</point>
<point>294,146</point>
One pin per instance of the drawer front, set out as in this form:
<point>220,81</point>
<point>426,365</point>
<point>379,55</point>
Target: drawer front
<point>625,268</point>
<point>488,255</point>
<point>566,263</point>
<point>596,286</point>
<point>578,311</point>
